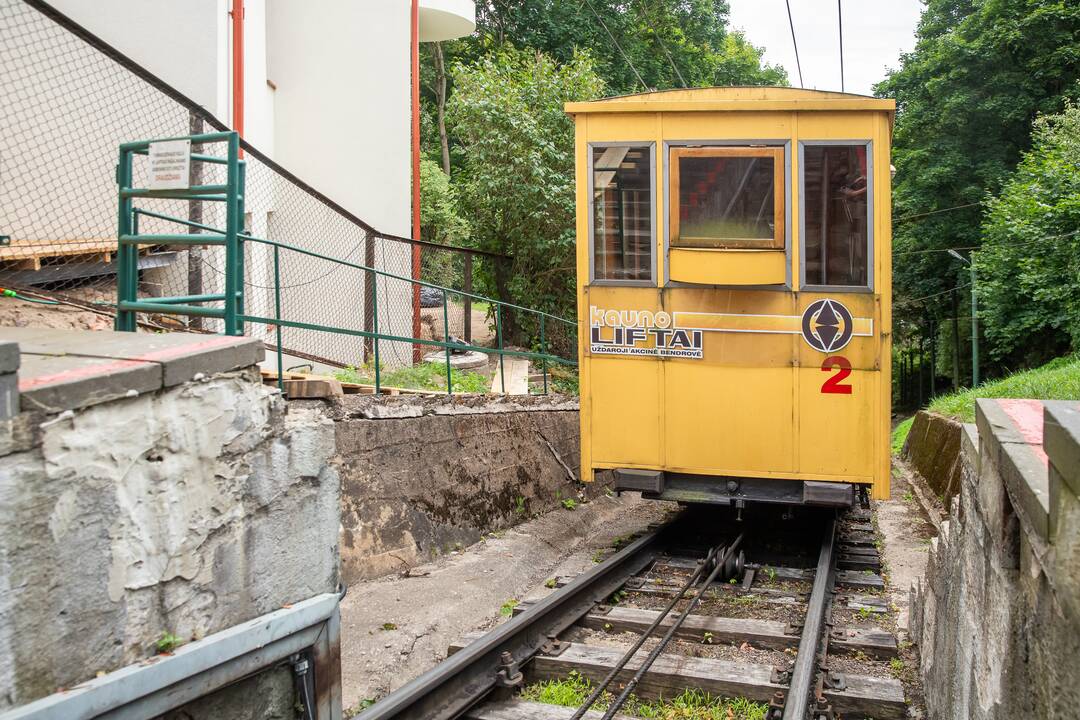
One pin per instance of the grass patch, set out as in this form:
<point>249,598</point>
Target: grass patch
<point>899,435</point>
<point>688,705</point>
<point>564,379</point>
<point>1057,380</point>
<point>425,376</point>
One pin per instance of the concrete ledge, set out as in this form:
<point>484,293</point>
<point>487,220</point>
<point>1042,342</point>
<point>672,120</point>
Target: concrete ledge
<point>1012,437</point>
<point>383,407</point>
<point>66,370</point>
<point>1061,439</point>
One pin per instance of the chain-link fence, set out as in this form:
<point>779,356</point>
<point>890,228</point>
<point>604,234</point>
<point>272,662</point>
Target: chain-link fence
<point>69,100</point>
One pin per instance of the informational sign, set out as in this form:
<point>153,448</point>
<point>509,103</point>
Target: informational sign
<point>170,165</point>
<point>641,332</point>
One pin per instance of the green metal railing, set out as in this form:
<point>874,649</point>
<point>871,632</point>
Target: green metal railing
<point>235,240</point>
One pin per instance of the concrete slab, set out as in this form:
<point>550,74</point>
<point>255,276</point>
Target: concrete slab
<point>55,383</point>
<point>9,357</point>
<point>66,369</point>
<point>1061,428</point>
<point>182,355</point>
<point>1012,432</point>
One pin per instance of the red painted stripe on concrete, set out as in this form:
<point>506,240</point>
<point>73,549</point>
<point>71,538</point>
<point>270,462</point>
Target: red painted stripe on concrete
<point>173,352</point>
<point>78,373</point>
<point>1027,416</point>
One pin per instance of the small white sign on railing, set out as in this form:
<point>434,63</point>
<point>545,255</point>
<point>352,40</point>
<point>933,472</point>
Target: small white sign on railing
<point>170,165</point>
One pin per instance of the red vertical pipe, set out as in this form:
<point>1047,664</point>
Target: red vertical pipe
<point>415,48</point>
<point>238,66</point>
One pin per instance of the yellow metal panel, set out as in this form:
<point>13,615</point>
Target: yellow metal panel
<point>837,431</point>
<point>728,421</point>
<point>638,127</point>
<point>837,126</point>
<point>726,126</point>
<point>625,424</point>
<point>728,267</point>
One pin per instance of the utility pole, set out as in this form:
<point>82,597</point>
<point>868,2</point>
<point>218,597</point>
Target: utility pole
<point>974,318</point>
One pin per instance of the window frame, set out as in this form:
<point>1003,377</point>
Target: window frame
<point>593,280</point>
<point>779,239</point>
<point>870,182</point>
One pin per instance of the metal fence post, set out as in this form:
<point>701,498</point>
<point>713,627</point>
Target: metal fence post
<point>446,341</point>
<point>241,275</point>
<point>468,298</point>
<point>375,320</point>
<point>232,227</point>
<point>543,352</point>
<point>125,319</point>
<point>498,331</point>
<point>277,316</point>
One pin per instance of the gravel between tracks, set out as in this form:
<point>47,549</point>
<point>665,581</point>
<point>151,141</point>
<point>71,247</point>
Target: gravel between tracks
<point>394,629</point>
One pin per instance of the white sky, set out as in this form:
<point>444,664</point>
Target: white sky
<point>875,33</point>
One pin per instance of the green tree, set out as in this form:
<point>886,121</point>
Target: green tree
<point>966,96</point>
<point>1029,264</point>
<point>440,222</point>
<point>517,179</point>
<point>658,44</point>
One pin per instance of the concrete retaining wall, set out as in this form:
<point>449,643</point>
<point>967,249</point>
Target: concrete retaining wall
<point>185,509</point>
<point>998,613</point>
<point>933,449</point>
<point>426,475</point>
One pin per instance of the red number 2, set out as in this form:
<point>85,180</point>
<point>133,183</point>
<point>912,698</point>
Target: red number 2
<point>843,369</point>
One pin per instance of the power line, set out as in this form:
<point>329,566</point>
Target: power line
<point>980,247</point>
<point>928,297</point>
<point>935,212</point>
<point>840,21</point>
<point>671,60</point>
<point>792,24</point>
<point>627,59</point>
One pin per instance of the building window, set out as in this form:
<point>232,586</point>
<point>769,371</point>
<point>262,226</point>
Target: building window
<point>622,213</point>
<point>730,197</point>
<point>836,193</point>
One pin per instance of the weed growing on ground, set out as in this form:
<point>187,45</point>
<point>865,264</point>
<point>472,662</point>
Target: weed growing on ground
<point>688,705</point>
<point>569,503</point>
<point>908,497</point>
<point>389,626</point>
<point>167,643</point>
<point>550,583</point>
<point>519,504</point>
<point>425,376</point>
<point>507,608</point>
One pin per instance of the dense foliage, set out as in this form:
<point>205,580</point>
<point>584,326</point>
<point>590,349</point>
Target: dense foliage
<point>493,119</point>
<point>517,179</point>
<point>1030,259</point>
<point>966,98</point>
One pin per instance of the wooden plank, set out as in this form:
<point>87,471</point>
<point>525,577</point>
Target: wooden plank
<point>862,550</point>
<point>770,572</point>
<point>859,528</point>
<point>872,603</point>
<point>858,538</point>
<point>759,633</point>
<point>859,579</point>
<point>858,562</point>
<point>37,249</point>
<point>874,642</point>
<point>523,710</point>
<point>766,595</point>
<point>668,676</point>
<point>312,388</point>
<point>865,696</point>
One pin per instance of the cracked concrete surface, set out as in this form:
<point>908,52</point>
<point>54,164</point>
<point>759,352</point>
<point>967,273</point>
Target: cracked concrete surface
<point>394,629</point>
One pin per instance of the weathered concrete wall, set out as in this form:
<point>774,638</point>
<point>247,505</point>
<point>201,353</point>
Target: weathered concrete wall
<point>425,475</point>
<point>185,510</point>
<point>998,613</point>
<point>933,449</point>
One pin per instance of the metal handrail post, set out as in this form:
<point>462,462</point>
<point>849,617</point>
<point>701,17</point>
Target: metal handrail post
<point>125,319</point>
<point>240,250</point>
<point>232,228</point>
<point>277,316</point>
<point>446,338</point>
<point>543,352</point>
<point>375,322</point>
<point>498,331</point>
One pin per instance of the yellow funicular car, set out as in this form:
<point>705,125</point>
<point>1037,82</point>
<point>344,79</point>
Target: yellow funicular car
<point>734,284</point>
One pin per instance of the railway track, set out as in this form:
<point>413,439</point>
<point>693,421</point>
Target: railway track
<point>776,611</point>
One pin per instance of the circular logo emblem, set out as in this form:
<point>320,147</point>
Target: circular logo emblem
<point>826,325</point>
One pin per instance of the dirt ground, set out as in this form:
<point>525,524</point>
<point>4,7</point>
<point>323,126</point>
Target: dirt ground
<point>20,313</point>
<point>394,629</point>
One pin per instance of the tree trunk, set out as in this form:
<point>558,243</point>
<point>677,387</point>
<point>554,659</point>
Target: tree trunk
<point>502,287</point>
<point>440,105</point>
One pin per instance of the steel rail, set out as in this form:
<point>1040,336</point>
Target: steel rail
<point>625,694</point>
<point>465,678</point>
<point>600,687</point>
<point>797,703</point>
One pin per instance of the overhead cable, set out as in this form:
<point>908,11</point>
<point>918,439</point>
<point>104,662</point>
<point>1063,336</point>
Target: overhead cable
<point>793,42</point>
<point>617,46</point>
